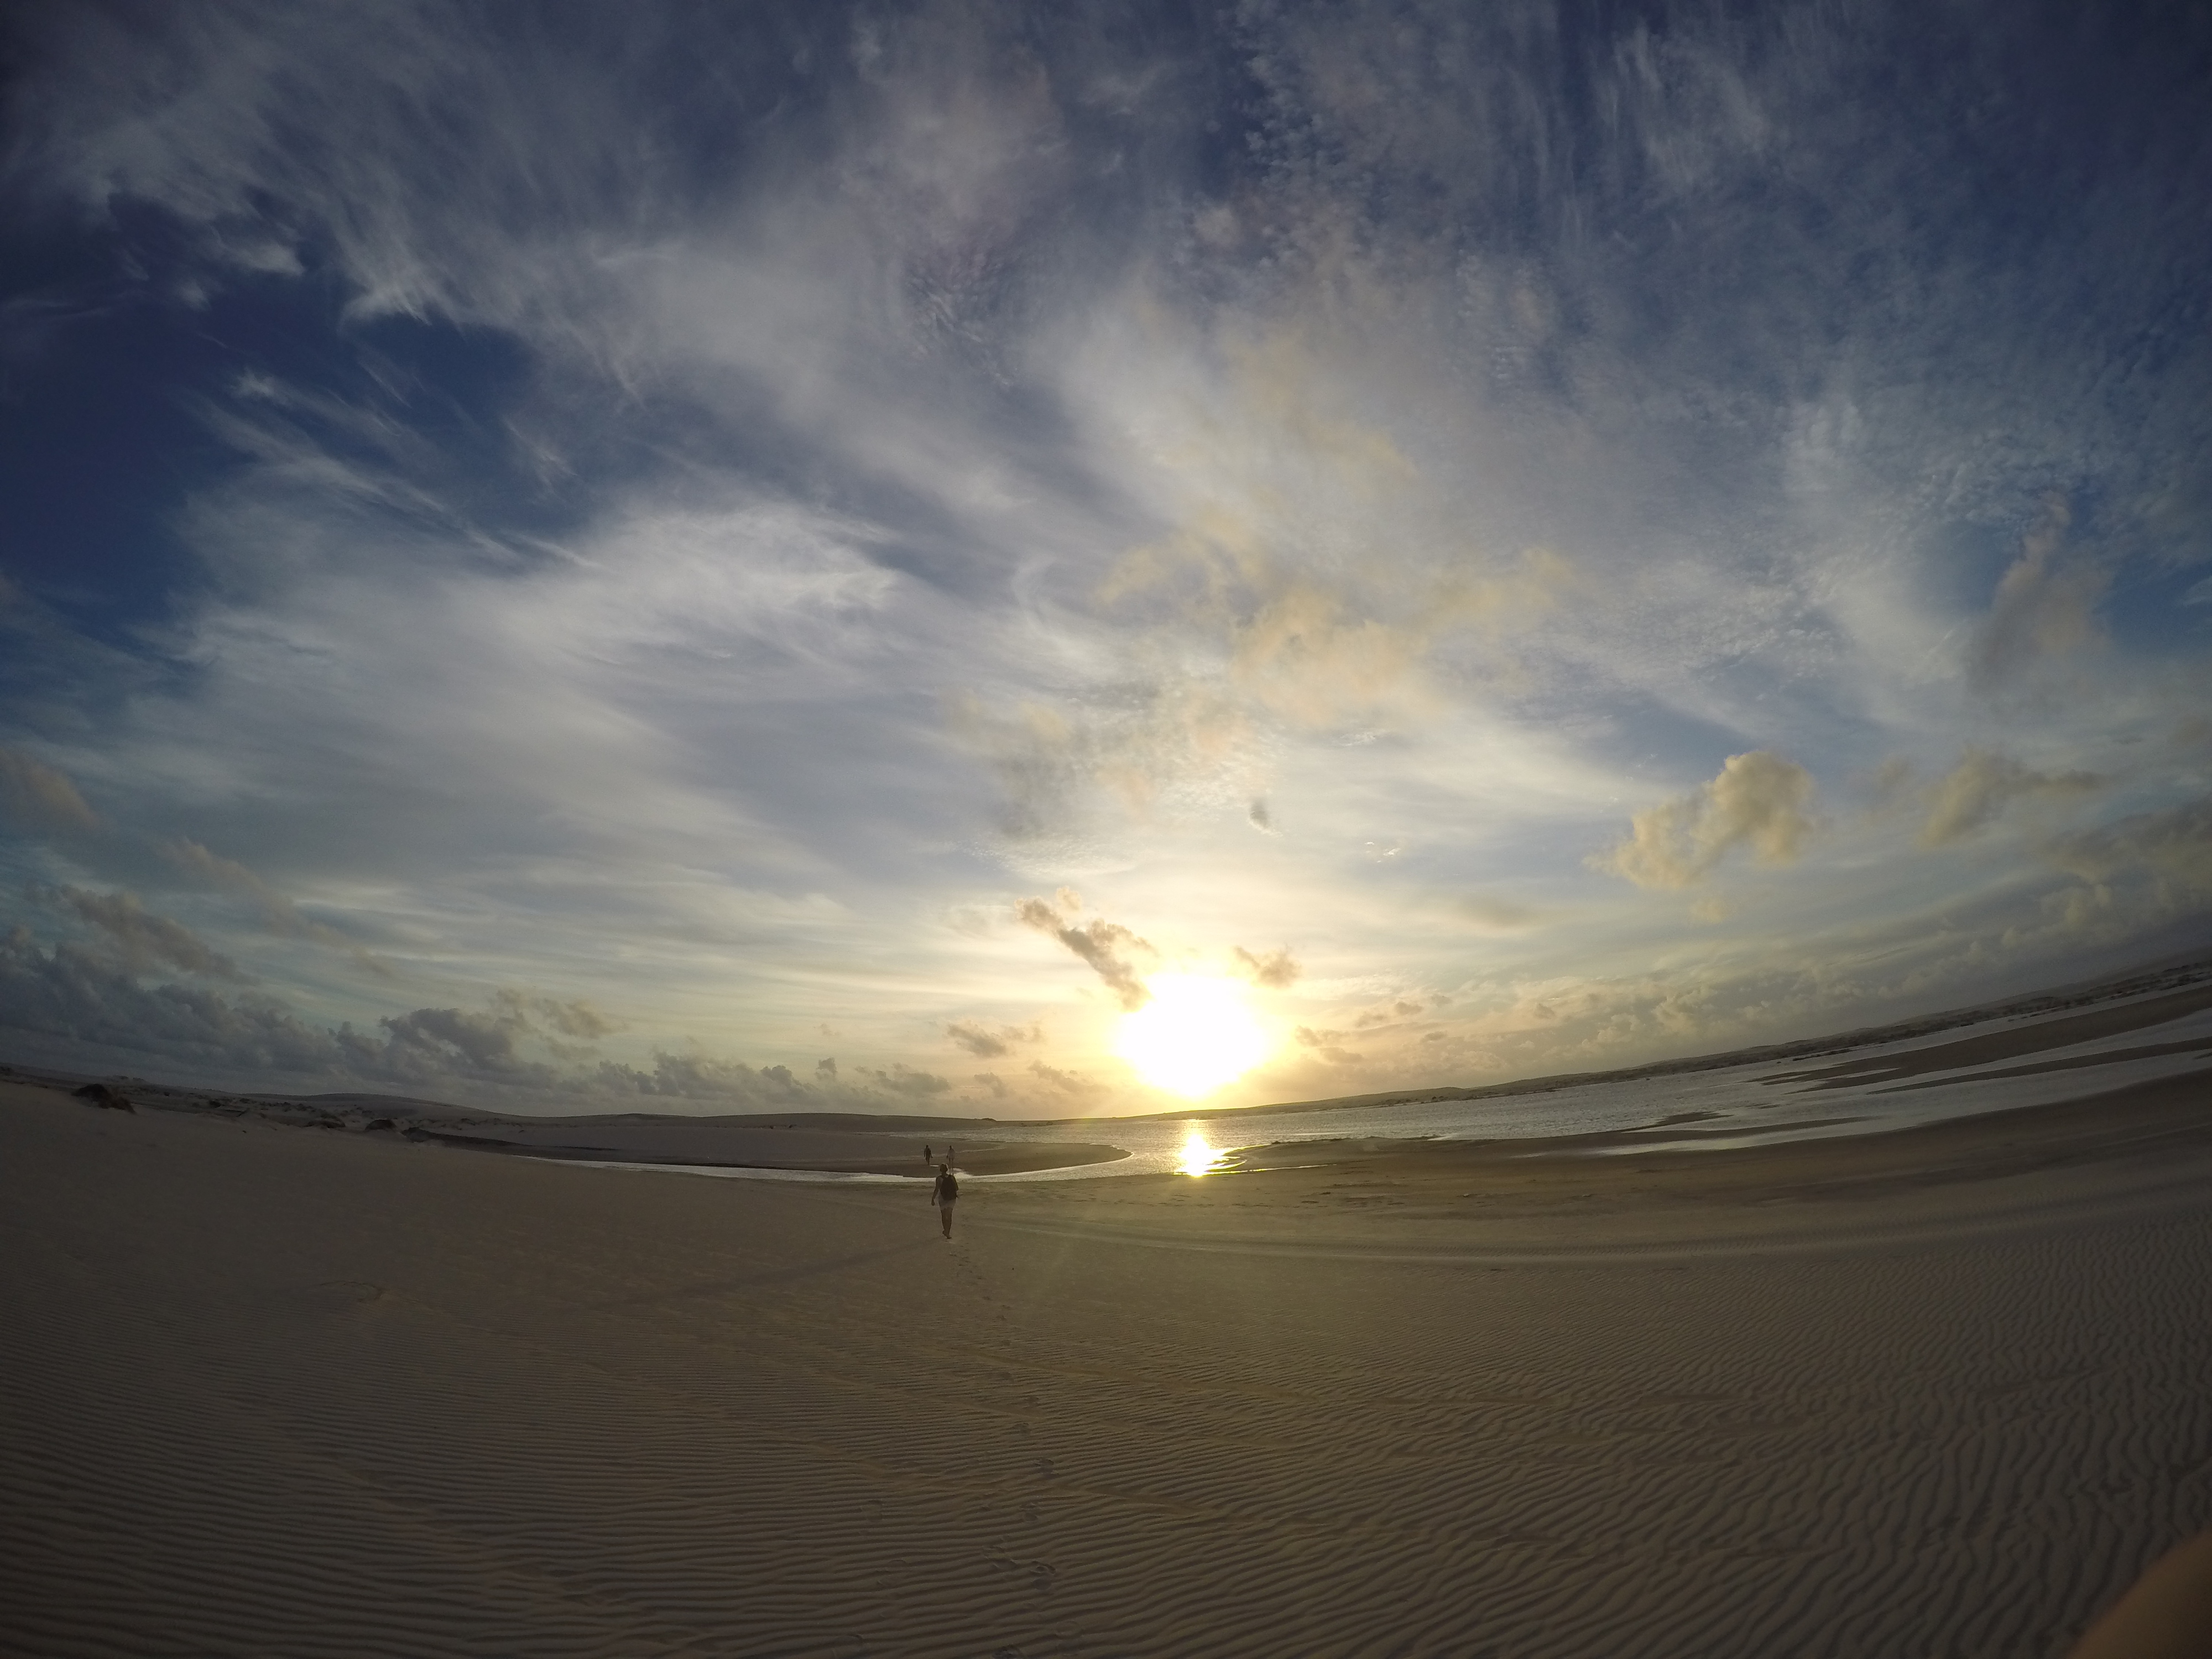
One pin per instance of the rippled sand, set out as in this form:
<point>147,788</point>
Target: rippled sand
<point>276,1391</point>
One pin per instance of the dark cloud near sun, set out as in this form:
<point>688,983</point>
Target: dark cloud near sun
<point>1104,944</point>
<point>1278,970</point>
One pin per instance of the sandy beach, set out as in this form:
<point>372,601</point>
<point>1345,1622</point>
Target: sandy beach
<point>275,1392</point>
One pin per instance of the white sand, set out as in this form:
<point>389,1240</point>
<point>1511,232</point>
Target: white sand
<point>274,1391</point>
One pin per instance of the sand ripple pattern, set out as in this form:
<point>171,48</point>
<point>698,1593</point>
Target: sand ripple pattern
<point>268,1394</point>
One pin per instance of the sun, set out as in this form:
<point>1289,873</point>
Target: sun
<point>1195,1035</point>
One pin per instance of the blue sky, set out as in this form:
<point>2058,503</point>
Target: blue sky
<point>758,558</point>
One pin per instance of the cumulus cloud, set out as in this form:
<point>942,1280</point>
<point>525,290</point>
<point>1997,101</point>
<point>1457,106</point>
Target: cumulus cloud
<point>1327,1046</point>
<point>1099,942</point>
<point>1760,800</point>
<point>1983,784</point>
<point>1276,969</point>
<point>85,996</point>
<point>489,1045</point>
<point>986,1044</point>
<point>572,1016</point>
<point>1073,1083</point>
<point>437,1040</point>
<point>693,1080</point>
<point>92,1000</point>
<point>904,1080</point>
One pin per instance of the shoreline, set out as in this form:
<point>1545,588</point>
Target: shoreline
<point>1722,1144</point>
<point>983,1158</point>
<point>2145,1150</point>
<point>2141,1138</point>
<point>2029,1025</point>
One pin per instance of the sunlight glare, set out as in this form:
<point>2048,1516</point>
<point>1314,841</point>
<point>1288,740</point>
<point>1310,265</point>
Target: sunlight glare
<point>1199,1156</point>
<point>1195,1035</point>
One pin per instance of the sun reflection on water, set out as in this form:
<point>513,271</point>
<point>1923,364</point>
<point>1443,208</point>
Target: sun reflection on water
<point>1199,1156</point>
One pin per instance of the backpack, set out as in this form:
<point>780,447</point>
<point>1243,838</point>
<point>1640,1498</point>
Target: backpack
<point>947,1187</point>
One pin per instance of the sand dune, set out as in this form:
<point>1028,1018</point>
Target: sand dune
<point>277,1393</point>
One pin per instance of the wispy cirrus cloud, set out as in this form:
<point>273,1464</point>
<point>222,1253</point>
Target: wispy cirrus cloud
<point>680,505</point>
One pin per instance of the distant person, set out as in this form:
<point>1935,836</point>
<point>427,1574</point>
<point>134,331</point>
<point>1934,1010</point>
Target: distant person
<point>952,1155</point>
<point>925,1157</point>
<point>945,1193</point>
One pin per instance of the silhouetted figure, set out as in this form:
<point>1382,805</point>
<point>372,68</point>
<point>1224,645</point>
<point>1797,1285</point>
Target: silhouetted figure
<point>925,1157</point>
<point>945,1193</point>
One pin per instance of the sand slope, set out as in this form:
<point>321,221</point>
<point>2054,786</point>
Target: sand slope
<point>269,1392</point>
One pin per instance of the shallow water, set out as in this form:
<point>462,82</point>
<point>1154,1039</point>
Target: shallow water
<point>1739,1106</point>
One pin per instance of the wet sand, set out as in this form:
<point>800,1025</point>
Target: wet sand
<point>276,1391</point>
<point>2036,1038</point>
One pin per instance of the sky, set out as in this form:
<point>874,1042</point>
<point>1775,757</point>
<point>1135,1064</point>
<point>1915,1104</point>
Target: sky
<point>757,558</point>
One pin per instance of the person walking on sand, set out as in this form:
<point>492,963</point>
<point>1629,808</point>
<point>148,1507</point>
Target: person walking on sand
<point>945,1193</point>
<point>925,1157</point>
